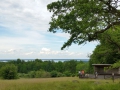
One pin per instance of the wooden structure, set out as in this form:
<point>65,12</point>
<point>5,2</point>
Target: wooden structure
<point>102,69</point>
<point>114,70</point>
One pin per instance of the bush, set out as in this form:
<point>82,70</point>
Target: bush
<point>59,74</point>
<point>39,74</point>
<point>42,74</point>
<point>23,75</point>
<point>9,71</point>
<point>31,74</point>
<point>53,74</point>
<point>73,75</point>
<point>67,73</point>
<point>46,75</point>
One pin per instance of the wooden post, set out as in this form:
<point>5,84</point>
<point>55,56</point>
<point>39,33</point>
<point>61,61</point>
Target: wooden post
<point>113,77</point>
<point>104,75</point>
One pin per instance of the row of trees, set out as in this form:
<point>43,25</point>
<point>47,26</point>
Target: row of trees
<point>39,68</point>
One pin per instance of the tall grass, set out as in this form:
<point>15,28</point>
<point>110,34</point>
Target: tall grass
<point>66,83</point>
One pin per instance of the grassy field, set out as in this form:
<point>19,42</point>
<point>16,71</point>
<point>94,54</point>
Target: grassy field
<point>64,83</point>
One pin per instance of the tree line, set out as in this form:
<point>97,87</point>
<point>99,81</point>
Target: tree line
<point>39,68</point>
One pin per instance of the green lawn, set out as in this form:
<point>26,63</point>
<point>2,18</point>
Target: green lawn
<point>64,83</point>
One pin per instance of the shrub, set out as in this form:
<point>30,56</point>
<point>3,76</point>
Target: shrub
<point>73,75</point>
<point>31,74</point>
<point>59,74</point>
<point>54,74</point>
<point>67,73</point>
<point>42,74</point>
<point>39,74</point>
<point>23,75</point>
<point>9,71</point>
<point>46,75</point>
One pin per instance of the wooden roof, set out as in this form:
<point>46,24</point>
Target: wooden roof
<point>103,65</point>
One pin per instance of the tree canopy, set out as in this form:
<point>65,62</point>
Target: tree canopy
<point>84,20</point>
<point>108,51</point>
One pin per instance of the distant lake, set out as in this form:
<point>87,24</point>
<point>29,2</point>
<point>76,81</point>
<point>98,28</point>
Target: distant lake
<point>55,60</point>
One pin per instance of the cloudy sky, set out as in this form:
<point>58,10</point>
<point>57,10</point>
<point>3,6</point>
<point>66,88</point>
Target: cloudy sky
<point>24,33</point>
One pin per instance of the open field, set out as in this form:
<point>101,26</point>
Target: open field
<point>64,83</point>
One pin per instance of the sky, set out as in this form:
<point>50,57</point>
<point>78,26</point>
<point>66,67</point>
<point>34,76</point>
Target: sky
<point>24,33</point>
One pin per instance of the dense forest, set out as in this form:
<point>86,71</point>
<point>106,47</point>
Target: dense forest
<point>38,68</point>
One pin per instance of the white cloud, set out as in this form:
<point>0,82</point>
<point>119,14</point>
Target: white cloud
<point>27,20</point>
<point>25,13</point>
<point>30,53</point>
<point>24,31</point>
<point>46,51</point>
<point>11,51</point>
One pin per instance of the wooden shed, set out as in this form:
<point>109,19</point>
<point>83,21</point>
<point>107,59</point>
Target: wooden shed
<point>102,69</point>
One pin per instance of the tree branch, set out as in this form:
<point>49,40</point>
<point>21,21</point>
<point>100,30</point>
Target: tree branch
<point>113,9</point>
<point>94,36</point>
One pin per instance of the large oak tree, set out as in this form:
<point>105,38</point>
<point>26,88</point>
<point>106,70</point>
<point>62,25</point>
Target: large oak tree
<point>84,20</point>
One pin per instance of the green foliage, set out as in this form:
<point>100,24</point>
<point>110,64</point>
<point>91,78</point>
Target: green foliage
<point>9,71</point>
<point>39,74</point>
<point>59,66</point>
<point>108,51</point>
<point>54,74</point>
<point>67,73</point>
<point>116,65</point>
<point>70,66</point>
<point>38,68</point>
<point>84,20</point>
<point>49,65</point>
<point>23,75</point>
<point>82,66</point>
<point>32,74</point>
<point>59,74</point>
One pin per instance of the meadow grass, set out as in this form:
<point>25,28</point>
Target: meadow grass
<point>64,83</point>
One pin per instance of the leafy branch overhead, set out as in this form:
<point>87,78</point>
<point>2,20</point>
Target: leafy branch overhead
<point>84,20</point>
